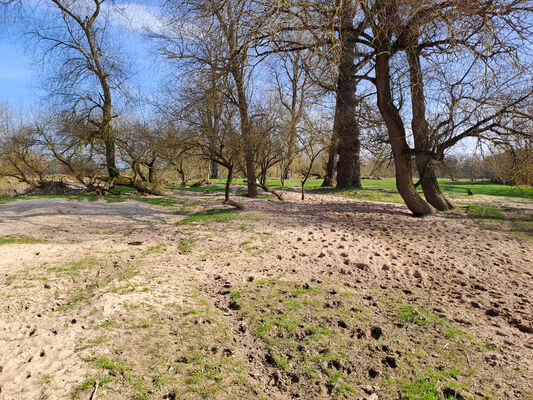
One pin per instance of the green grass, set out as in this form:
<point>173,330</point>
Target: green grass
<point>485,212</point>
<point>202,189</point>
<point>17,239</point>
<point>216,215</point>
<point>116,195</point>
<point>159,201</point>
<point>385,189</point>
<point>426,386</point>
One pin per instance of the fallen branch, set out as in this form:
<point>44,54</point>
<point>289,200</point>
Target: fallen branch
<point>238,206</point>
<point>266,189</point>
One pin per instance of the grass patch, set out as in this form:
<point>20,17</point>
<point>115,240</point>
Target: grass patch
<point>216,215</point>
<point>159,201</point>
<point>485,212</point>
<point>185,245</point>
<point>202,189</point>
<point>431,385</point>
<point>17,239</point>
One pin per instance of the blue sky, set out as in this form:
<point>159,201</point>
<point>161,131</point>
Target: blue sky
<point>19,74</point>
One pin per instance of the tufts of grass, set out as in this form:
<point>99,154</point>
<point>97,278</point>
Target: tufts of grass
<point>89,383</point>
<point>412,315</point>
<point>431,385</point>
<point>185,245</point>
<point>158,248</point>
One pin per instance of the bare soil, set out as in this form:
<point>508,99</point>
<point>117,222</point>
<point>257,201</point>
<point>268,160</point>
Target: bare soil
<point>331,298</point>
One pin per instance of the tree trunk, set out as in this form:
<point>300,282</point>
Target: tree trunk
<point>228,183</point>
<point>421,134</point>
<point>109,142</point>
<point>332,153</point>
<point>348,166</point>
<point>214,170</point>
<point>396,130</point>
<point>246,128</point>
<point>151,172</point>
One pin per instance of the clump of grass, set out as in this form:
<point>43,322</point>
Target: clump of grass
<point>154,249</point>
<point>185,245</point>
<point>412,315</point>
<point>90,383</point>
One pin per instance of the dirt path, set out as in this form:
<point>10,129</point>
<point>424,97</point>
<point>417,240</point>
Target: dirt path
<point>329,298</point>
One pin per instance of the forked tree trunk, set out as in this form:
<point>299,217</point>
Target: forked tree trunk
<point>421,134</point>
<point>396,130</point>
<point>348,166</point>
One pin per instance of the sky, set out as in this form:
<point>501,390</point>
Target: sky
<point>19,73</point>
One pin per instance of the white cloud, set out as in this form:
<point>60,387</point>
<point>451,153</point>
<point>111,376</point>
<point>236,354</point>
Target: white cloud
<point>136,17</point>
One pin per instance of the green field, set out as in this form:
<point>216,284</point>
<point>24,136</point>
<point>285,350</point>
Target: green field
<point>385,189</point>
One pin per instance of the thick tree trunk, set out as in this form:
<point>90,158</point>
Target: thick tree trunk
<point>430,185</point>
<point>332,155</point>
<point>330,168</point>
<point>214,170</point>
<point>396,130</point>
<point>421,134</point>
<point>348,166</point>
<point>151,172</point>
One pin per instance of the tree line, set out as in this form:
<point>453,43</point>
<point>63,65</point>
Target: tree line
<point>256,84</point>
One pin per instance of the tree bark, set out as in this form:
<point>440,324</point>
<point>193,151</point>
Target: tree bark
<point>332,153</point>
<point>396,131</point>
<point>228,182</point>
<point>421,134</point>
<point>330,168</point>
<point>348,166</point>
<point>214,170</point>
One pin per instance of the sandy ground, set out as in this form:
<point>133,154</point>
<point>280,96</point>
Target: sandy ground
<point>61,295</point>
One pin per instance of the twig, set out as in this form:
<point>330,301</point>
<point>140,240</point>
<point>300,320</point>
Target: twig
<point>93,396</point>
<point>124,275</point>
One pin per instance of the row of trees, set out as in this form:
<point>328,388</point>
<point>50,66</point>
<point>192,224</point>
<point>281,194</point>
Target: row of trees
<point>258,84</point>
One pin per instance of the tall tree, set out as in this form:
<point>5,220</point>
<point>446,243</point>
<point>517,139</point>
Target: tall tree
<point>85,70</point>
<point>234,26</point>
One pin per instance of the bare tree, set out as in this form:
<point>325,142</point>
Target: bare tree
<point>232,27</point>
<point>86,71</point>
